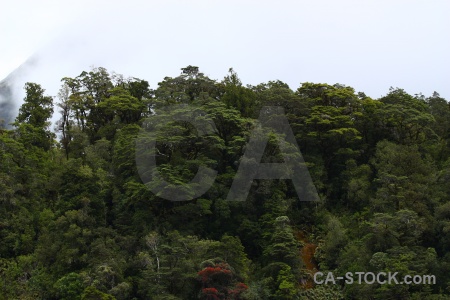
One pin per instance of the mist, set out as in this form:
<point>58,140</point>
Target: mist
<point>369,46</point>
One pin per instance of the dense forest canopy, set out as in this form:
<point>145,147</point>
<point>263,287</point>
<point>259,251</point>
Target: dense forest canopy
<point>79,220</point>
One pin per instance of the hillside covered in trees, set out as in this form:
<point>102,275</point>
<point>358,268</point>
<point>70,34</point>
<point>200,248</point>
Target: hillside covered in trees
<point>77,220</point>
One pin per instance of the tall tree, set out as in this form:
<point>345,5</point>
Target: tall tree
<point>32,121</point>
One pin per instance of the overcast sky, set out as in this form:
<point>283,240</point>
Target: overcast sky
<point>369,45</point>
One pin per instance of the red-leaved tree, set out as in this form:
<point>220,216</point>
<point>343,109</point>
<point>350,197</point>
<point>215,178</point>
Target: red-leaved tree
<point>219,281</point>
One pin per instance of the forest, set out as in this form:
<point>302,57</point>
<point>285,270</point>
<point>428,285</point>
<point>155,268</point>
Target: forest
<point>79,220</point>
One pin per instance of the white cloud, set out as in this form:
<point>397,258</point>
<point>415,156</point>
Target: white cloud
<point>369,45</point>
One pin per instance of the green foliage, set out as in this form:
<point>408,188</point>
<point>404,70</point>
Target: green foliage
<point>70,286</point>
<point>32,120</point>
<point>37,108</point>
<point>91,293</point>
<point>335,240</point>
<point>77,220</point>
<point>237,96</point>
<point>322,292</point>
<point>405,178</point>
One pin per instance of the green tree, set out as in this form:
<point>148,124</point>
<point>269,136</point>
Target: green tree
<point>236,96</point>
<point>282,257</point>
<point>91,293</point>
<point>404,179</point>
<point>406,118</point>
<point>37,108</point>
<point>32,121</point>
<point>70,286</point>
<point>189,86</point>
